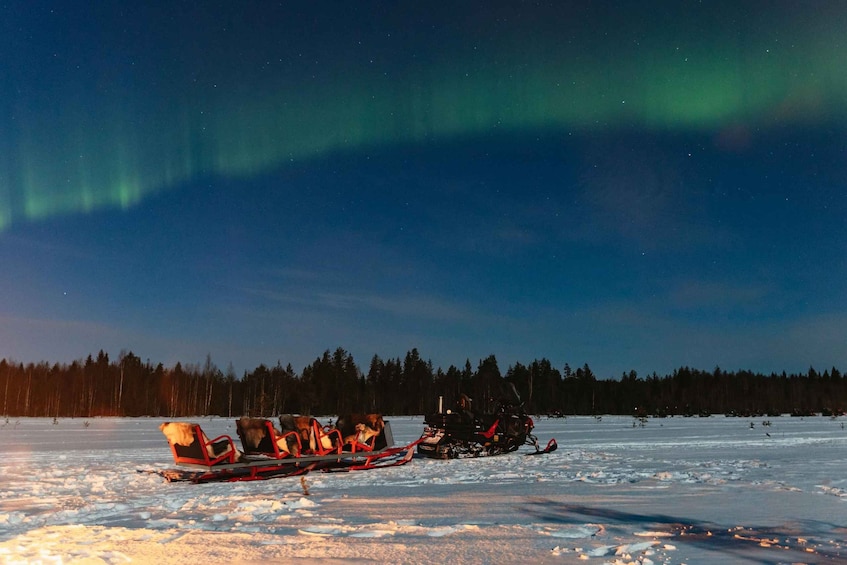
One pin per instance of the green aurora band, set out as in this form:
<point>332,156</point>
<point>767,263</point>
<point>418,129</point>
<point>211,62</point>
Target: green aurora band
<point>80,157</point>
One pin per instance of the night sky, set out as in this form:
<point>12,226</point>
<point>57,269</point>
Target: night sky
<point>632,185</point>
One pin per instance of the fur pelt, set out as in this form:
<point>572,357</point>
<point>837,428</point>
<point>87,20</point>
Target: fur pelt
<point>178,433</point>
<point>363,435</point>
<point>348,425</point>
<point>288,445</point>
<point>253,431</point>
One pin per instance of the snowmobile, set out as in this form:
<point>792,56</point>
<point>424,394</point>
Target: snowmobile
<point>462,433</point>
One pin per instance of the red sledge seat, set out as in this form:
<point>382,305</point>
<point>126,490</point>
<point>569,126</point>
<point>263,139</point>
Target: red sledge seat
<point>204,451</point>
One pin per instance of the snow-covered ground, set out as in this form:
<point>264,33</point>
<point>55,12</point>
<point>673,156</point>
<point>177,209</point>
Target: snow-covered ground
<point>676,490</point>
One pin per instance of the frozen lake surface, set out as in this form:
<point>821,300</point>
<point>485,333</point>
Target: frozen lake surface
<point>675,490</point>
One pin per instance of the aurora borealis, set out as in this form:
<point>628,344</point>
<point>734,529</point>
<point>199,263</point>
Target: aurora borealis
<point>582,143</point>
<point>79,146</point>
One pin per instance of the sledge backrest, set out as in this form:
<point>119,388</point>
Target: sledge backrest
<point>192,451</point>
<point>386,438</point>
<point>267,445</point>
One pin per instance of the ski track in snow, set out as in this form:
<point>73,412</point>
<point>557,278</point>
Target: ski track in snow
<point>693,490</point>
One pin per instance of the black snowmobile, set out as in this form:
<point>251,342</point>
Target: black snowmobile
<point>463,433</point>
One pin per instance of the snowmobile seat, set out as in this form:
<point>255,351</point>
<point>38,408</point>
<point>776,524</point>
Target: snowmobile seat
<point>259,436</point>
<point>189,445</point>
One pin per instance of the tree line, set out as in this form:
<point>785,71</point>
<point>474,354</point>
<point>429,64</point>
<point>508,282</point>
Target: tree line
<point>334,384</point>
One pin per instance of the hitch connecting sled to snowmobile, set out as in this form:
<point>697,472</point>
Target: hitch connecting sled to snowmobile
<point>451,434</point>
<point>201,460</point>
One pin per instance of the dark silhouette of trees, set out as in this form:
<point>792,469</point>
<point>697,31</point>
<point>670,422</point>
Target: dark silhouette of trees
<point>334,384</point>
<point>416,383</point>
<point>331,385</point>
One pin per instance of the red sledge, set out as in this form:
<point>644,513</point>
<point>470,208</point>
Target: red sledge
<point>269,453</point>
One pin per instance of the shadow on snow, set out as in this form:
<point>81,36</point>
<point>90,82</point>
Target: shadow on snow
<point>752,543</point>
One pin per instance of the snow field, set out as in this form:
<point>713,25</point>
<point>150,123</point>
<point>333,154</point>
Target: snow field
<point>676,490</point>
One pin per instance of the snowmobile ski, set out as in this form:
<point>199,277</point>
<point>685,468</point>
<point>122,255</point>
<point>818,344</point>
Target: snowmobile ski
<point>551,447</point>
